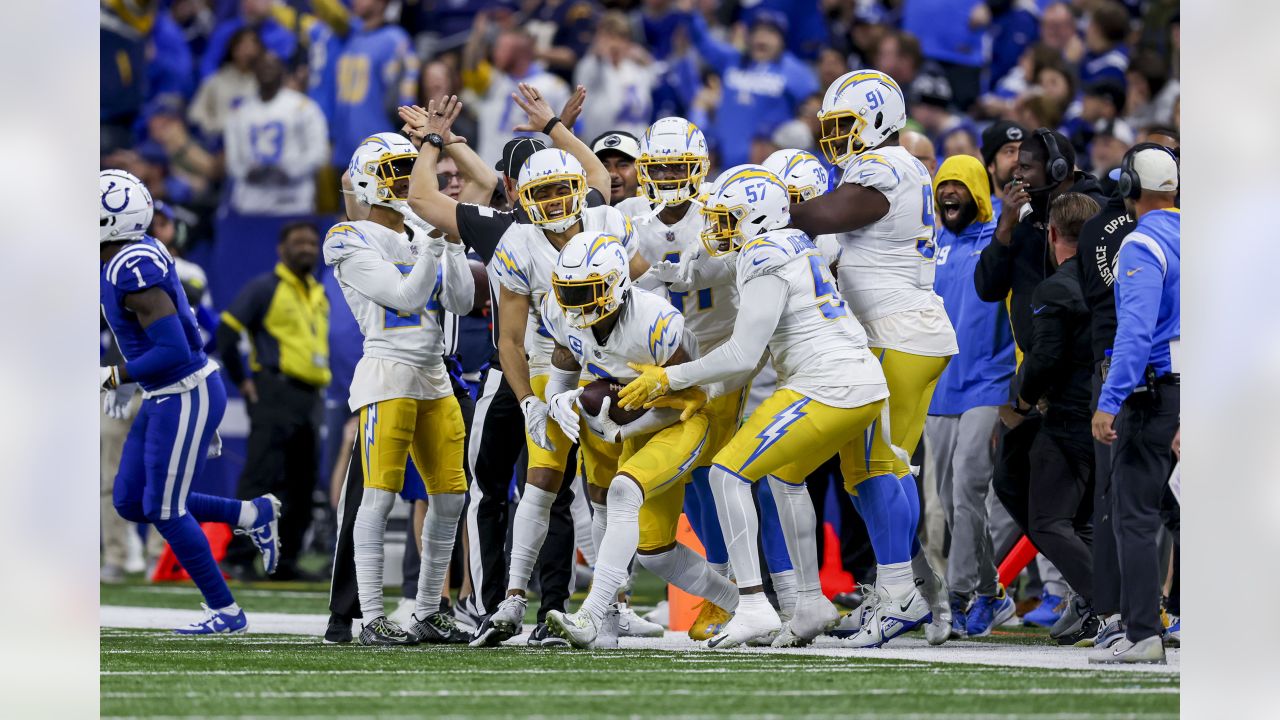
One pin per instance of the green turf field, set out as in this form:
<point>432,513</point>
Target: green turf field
<point>147,673</point>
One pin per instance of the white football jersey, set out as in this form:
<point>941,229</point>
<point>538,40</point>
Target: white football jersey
<point>523,263</point>
<point>819,349</point>
<point>888,266</point>
<point>402,351</point>
<point>649,330</point>
<point>709,311</point>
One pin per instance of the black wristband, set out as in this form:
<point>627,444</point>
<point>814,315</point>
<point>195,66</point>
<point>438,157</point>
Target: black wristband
<point>434,140</point>
<point>551,124</point>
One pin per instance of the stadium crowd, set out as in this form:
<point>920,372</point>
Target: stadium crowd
<point>241,117</point>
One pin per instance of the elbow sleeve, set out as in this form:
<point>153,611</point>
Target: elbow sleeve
<point>169,349</point>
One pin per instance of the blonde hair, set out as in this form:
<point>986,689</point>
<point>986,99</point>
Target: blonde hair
<point>1069,212</point>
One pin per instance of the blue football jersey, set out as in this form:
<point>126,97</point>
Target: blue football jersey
<point>141,266</point>
<point>374,66</point>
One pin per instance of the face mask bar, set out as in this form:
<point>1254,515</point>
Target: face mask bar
<point>721,228</point>
<point>683,187</point>
<point>587,301</point>
<point>841,135</point>
<point>392,169</point>
<point>572,202</point>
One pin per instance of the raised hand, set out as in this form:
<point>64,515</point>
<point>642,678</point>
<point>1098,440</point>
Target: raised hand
<point>530,100</point>
<point>573,107</point>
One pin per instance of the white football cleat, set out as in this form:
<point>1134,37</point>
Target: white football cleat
<point>505,623</point>
<point>403,614</point>
<point>893,617</point>
<point>934,589</point>
<point>814,615</point>
<point>660,614</point>
<point>607,635</point>
<point>752,620</point>
<point>852,623</point>
<point>579,628</point>
<point>632,625</point>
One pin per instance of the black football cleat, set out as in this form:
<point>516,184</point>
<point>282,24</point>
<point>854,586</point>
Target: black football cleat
<point>438,628</point>
<point>381,632</point>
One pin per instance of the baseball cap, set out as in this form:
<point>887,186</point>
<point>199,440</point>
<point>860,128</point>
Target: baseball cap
<point>997,135</point>
<point>618,141</point>
<point>515,152</point>
<point>1156,170</point>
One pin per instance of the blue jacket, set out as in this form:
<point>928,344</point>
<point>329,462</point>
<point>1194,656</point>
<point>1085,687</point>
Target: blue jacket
<point>943,29</point>
<point>1148,319</point>
<point>980,374</point>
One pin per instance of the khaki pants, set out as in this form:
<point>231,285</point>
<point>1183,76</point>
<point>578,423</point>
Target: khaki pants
<point>115,529</point>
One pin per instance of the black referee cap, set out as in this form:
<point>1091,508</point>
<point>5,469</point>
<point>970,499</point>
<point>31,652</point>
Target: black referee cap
<point>515,152</point>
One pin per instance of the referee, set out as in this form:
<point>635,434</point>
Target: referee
<point>1138,410</point>
<point>496,444</point>
<point>286,315</point>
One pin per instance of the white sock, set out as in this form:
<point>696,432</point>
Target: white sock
<point>757,601</point>
<point>896,579</point>
<point>721,569</point>
<point>686,569</point>
<point>232,609</point>
<point>784,587</point>
<point>581,511</point>
<point>533,514</point>
<point>739,523</point>
<point>439,532</point>
<point>248,515</point>
<point>800,530</point>
<point>599,521</point>
<point>367,535</point>
<point>617,547</point>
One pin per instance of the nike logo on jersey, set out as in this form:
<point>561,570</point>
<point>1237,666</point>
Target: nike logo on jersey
<point>1130,273</point>
<point>338,246</point>
<point>757,261</point>
<point>1036,311</point>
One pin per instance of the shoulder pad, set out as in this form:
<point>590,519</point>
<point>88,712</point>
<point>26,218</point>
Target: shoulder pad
<point>873,170</point>
<point>509,265</point>
<point>341,241</point>
<point>139,266</point>
<point>770,252</point>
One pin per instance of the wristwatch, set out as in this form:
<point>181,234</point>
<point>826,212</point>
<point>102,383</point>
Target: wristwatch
<point>434,140</point>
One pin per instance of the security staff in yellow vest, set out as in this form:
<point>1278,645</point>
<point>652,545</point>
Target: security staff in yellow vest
<point>286,315</point>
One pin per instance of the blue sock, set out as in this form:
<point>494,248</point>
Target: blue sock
<point>883,507</point>
<point>700,507</point>
<point>213,508</point>
<point>192,550</point>
<point>775,543</point>
<point>912,494</point>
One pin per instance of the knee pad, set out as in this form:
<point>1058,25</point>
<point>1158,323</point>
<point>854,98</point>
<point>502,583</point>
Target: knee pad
<point>625,494</point>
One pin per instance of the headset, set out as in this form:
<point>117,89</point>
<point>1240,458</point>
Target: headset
<point>1129,185</point>
<point>1056,167</point>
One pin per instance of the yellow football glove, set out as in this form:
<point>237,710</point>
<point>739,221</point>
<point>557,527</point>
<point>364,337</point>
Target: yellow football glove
<point>651,383</point>
<point>687,401</point>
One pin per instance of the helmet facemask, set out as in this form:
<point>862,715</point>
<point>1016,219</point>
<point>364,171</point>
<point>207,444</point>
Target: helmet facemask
<point>387,171</point>
<point>841,135</point>
<point>554,202</point>
<point>587,301</point>
<point>665,183</point>
<point>721,235</point>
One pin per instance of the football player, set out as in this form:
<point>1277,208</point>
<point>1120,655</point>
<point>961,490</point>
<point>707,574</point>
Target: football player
<point>672,166</point>
<point>552,189</point>
<point>882,213</point>
<point>806,178</point>
<point>183,403</point>
<point>603,326</point>
<point>396,278</point>
<point>830,390</point>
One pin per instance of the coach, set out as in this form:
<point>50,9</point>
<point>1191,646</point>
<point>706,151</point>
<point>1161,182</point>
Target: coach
<point>1138,410</point>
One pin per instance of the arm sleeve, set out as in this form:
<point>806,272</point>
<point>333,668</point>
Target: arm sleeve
<point>993,275</point>
<point>1048,345</point>
<point>459,293</point>
<point>717,54</point>
<point>383,283</point>
<point>169,349</point>
<point>752,330</point>
<point>1139,285</point>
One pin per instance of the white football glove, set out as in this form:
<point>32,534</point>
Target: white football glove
<point>601,424</point>
<point>563,408</point>
<point>215,446</point>
<point>535,422</point>
<point>116,401</point>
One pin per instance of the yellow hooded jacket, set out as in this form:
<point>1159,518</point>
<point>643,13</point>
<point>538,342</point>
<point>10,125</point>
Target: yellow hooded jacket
<point>968,170</point>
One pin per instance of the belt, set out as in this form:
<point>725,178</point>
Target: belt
<point>1163,380</point>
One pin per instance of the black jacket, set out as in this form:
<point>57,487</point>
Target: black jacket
<point>1017,268</point>
<point>1059,366</point>
<point>1099,242</point>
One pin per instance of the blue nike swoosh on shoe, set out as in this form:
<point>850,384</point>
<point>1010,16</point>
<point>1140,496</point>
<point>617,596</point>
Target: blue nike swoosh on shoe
<point>1036,311</point>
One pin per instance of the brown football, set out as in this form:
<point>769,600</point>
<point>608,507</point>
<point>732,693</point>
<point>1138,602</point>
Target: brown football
<point>593,396</point>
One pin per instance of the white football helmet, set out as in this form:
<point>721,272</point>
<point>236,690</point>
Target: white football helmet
<point>673,161</point>
<point>592,277</point>
<point>124,207</point>
<point>553,189</point>
<point>379,162</point>
<point>859,111</point>
<point>744,202</point>
<point>805,176</point>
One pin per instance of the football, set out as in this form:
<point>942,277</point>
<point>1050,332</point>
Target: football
<point>595,393</point>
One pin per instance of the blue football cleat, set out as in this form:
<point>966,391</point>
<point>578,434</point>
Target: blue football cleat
<point>987,612</point>
<point>959,619</point>
<point>216,623</point>
<point>265,532</point>
<point>1047,612</point>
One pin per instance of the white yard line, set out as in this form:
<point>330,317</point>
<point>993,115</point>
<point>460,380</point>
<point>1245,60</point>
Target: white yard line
<point>906,648</point>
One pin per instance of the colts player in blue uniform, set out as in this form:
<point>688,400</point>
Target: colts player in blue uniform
<point>183,402</point>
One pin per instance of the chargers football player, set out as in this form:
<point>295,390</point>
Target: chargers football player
<point>552,188</point>
<point>183,401</point>
<point>396,279</point>
<point>806,178</point>
<point>601,325</point>
<point>672,166</point>
<point>830,389</point>
<point>882,213</point>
